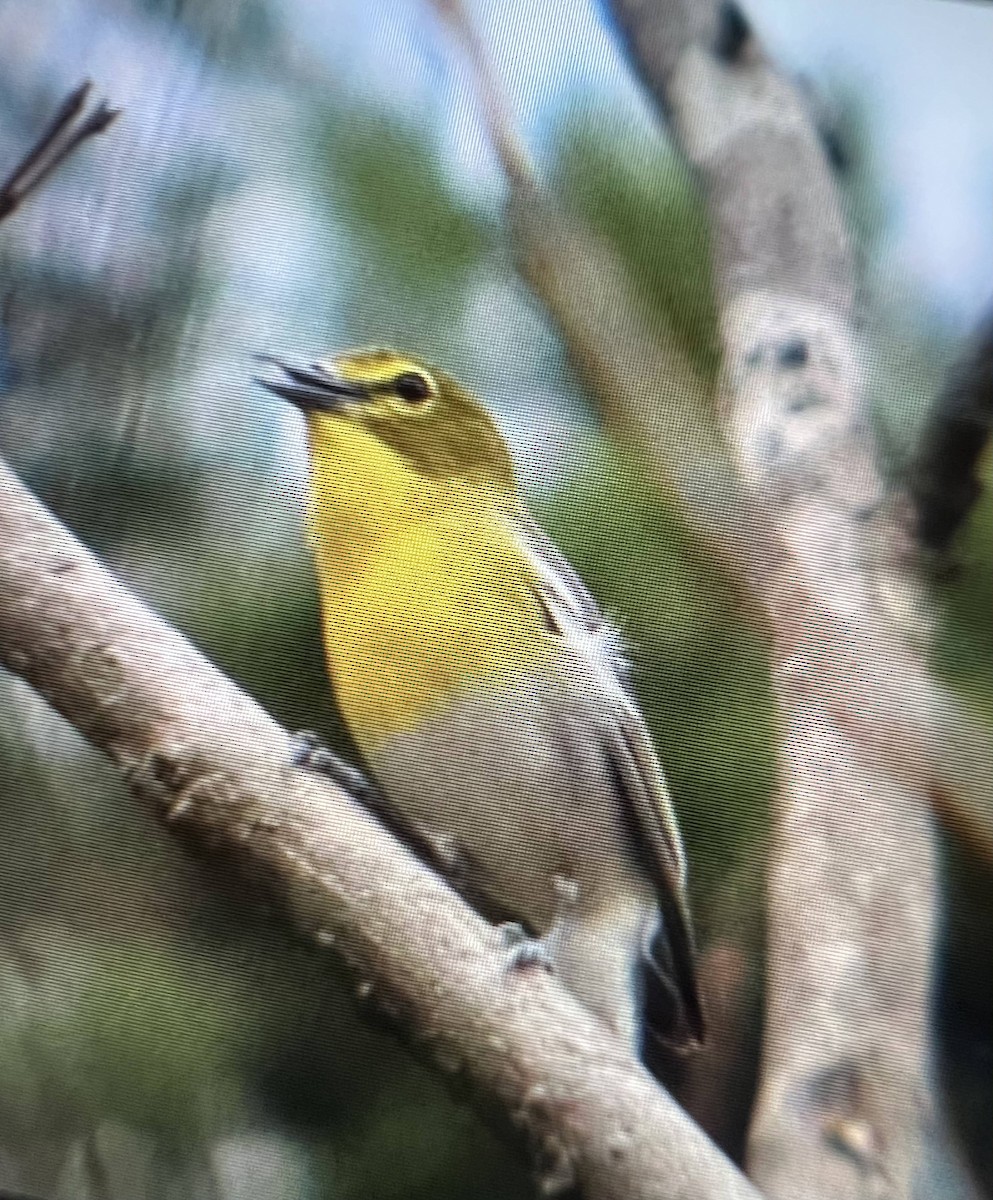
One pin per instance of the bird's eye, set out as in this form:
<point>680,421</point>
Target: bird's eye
<point>412,387</point>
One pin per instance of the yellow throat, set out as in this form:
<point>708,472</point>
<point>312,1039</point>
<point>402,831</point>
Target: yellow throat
<point>424,592</point>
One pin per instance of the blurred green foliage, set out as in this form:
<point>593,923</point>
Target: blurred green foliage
<point>627,184</point>
<point>964,649</point>
<point>141,987</point>
<point>239,34</point>
<point>401,206</point>
<point>418,246</point>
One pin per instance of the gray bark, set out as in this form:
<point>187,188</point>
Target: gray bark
<point>846,1102</point>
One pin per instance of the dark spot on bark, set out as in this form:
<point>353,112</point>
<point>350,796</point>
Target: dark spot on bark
<point>770,445</point>
<point>161,769</point>
<point>836,149</point>
<point>808,398</point>
<point>793,353</point>
<point>733,31</point>
<point>835,1090</point>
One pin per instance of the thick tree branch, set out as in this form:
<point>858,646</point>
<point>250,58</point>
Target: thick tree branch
<point>216,769</point>
<point>943,483</point>
<point>846,1096</point>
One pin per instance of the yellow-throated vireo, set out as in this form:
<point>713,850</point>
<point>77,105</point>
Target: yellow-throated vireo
<point>484,689</point>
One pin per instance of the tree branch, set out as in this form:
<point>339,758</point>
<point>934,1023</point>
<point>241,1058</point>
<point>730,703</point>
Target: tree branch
<point>61,137</point>
<point>845,1101</point>
<point>649,392</point>
<point>216,769</point>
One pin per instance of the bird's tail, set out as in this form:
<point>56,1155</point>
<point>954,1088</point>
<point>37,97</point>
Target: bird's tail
<point>632,964</point>
<point>671,1010</point>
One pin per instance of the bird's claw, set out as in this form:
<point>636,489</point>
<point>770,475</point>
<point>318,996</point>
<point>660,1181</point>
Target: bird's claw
<point>523,951</point>
<point>309,752</point>
<point>440,850</point>
<point>304,746</point>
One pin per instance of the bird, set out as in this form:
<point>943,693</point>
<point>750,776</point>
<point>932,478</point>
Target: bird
<point>488,696</point>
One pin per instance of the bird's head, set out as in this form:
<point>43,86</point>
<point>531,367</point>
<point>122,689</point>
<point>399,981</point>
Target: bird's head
<point>436,427</point>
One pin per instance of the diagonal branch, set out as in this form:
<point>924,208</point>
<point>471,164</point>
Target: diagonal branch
<point>216,769</point>
<point>63,134</point>
<point>648,390</point>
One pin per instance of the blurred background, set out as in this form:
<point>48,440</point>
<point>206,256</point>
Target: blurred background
<point>303,175</point>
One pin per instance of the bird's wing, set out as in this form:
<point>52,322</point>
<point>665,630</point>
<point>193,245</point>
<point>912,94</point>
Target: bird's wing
<point>642,789</point>
<point>567,603</point>
<point>572,614</point>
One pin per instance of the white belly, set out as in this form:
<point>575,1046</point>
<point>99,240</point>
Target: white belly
<point>521,783</point>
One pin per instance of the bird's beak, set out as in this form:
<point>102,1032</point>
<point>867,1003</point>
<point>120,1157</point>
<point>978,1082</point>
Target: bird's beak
<point>313,388</point>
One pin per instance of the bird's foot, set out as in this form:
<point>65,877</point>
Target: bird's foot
<point>440,850</point>
<point>309,752</point>
<point>523,951</point>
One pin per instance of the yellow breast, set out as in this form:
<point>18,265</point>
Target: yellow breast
<point>437,610</point>
<point>423,595</point>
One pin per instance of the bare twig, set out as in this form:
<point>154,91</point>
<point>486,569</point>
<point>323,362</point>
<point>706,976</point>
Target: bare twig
<point>60,138</point>
<point>648,391</point>
<point>216,769</point>
<point>943,482</point>
<point>497,112</point>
